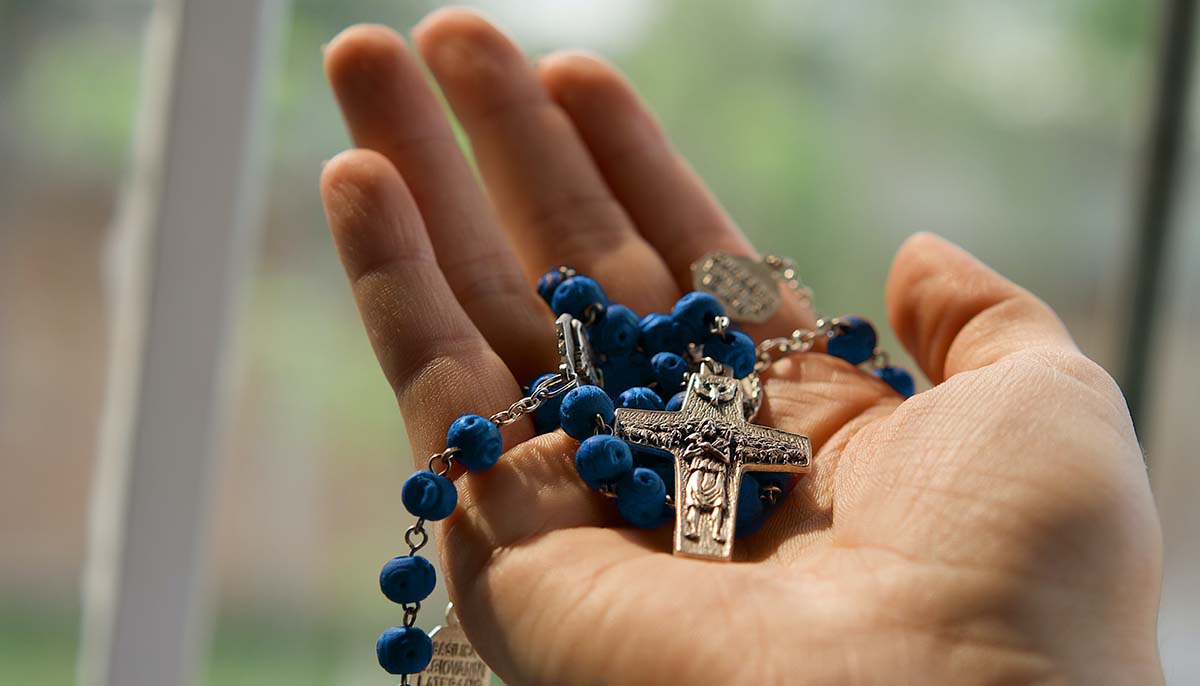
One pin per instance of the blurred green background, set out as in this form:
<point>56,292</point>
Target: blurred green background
<point>831,131</point>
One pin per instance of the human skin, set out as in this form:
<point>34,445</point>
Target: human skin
<point>997,528</point>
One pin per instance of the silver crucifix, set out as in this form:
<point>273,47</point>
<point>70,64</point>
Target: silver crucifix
<point>713,445</point>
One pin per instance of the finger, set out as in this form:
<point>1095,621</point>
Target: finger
<point>664,197</point>
<point>390,108</point>
<point>954,314</point>
<point>437,362</point>
<point>550,196</point>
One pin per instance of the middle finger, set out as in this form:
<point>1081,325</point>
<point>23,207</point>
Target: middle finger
<point>549,194</point>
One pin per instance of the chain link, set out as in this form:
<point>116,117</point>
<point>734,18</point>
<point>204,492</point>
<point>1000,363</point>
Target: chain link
<point>410,612</point>
<point>720,325</point>
<point>770,495</point>
<point>543,391</point>
<point>444,458</point>
<point>880,359</point>
<point>418,527</point>
<point>800,341</point>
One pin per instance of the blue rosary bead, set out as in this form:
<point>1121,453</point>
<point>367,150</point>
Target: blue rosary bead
<point>617,333</point>
<point>665,469</point>
<point>404,650</point>
<point>669,371</point>
<point>735,349</point>
<point>658,461</point>
<point>853,339</point>
<point>545,418</point>
<point>579,296</point>
<point>899,379</point>
<point>642,498</point>
<point>428,495</point>
<point>579,410</point>
<point>623,372</point>
<point>640,398</point>
<point>694,314</point>
<point>478,440</point>
<point>407,579</point>
<point>548,282</point>
<point>661,334</point>
<point>750,513</point>
<point>675,404</point>
<point>603,460</point>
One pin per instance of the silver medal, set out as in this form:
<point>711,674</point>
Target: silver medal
<point>745,286</point>
<point>455,662</point>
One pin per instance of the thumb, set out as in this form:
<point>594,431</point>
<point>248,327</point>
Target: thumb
<point>955,314</point>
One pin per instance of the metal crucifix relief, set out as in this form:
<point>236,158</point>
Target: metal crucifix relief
<point>713,445</point>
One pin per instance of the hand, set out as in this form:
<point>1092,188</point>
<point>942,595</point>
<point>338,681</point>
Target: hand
<point>997,528</point>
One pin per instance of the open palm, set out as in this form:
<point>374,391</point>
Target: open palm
<point>997,528</point>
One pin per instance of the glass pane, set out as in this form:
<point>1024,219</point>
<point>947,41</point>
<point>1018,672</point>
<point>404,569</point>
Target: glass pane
<point>831,131</point>
<point>68,87</point>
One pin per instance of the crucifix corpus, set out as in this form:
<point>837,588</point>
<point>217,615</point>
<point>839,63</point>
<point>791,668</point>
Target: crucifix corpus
<point>713,445</point>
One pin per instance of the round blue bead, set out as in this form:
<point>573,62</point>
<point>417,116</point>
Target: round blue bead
<point>478,440</point>
<point>576,295</point>
<point>676,402</point>
<point>545,418</point>
<point>661,334</point>
<point>407,579</point>
<point>853,340</point>
<point>622,372</point>
<point>735,349</point>
<point>617,333</point>
<point>428,495</point>
<point>750,513</point>
<point>404,650</point>
<point>548,282</point>
<point>899,379</point>
<point>694,314</point>
<point>640,398</point>
<point>642,498</point>
<point>669,371</point>
<point>603,460</point>
<point>658,461</point>
<point>579,409</point>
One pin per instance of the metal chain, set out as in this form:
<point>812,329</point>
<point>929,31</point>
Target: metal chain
<point>543,391</point>
<point>720,325</point>
<point>770,495</point>
<point>880,359</point>
<point>800,341</point>
<point>602,427</point>
<point>418,527</point>
<point>415,536</point>
<point>445,459</point>
<point>410,612</point>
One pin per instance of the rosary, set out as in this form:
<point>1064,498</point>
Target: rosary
<point>663,407</point>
